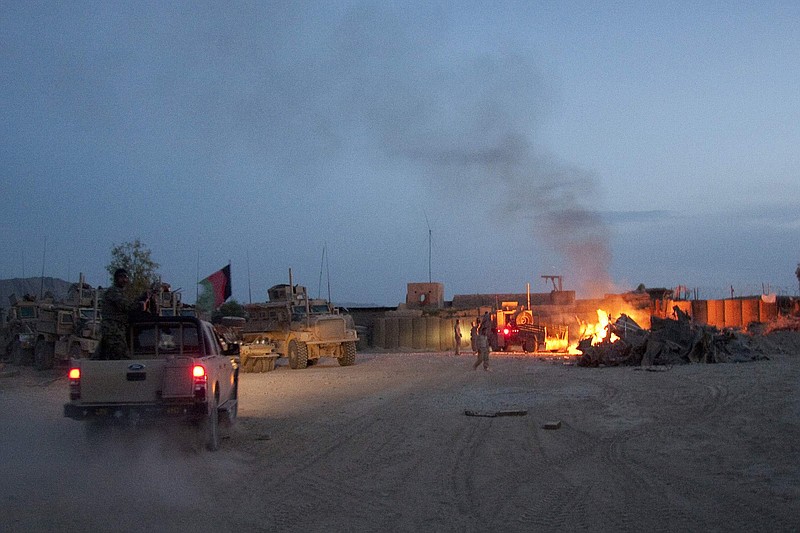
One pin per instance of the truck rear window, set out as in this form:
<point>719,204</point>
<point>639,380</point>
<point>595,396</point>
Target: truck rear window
<point>156,341</point>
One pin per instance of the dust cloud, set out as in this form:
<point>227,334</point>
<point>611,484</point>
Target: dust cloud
<point>113,478</point>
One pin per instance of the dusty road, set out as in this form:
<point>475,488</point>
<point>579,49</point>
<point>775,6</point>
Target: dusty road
<point>385,446</point>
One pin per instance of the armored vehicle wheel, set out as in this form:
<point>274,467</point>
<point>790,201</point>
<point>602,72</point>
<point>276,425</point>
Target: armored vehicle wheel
<point>530,345</point>
<point>19,355</point>
<point>44,355</point>
<point>298,354</point>
<point>349,356</point>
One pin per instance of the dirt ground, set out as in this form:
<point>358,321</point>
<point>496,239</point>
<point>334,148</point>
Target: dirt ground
<point>385,446</point>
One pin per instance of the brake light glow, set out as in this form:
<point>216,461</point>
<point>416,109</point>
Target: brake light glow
<point>74,383</point>
<point>200,381</point>
<point>506,331</point>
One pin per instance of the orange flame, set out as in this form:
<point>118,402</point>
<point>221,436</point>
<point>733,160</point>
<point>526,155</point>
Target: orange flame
<point>598,332</point>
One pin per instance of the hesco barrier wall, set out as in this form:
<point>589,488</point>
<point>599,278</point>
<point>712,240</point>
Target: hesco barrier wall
<point>414,332</point>
<point>737,313</point>
<point>418,333</point>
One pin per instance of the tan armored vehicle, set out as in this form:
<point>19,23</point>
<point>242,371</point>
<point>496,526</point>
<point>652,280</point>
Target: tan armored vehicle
<point>69,329</point>
<point>294,326</point>
<point>19,330</point>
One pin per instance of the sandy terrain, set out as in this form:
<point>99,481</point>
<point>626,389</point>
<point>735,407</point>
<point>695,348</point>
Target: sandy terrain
<point>385,446</point>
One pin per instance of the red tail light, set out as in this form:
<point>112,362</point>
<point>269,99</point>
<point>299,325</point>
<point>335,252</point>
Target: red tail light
<point>200,381</point>
<point>74,383</point>
<point>506,331</point>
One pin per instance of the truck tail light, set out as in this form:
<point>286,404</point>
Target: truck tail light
<point>74,383</point>
<point>200,381</point>
<point>506,331</point>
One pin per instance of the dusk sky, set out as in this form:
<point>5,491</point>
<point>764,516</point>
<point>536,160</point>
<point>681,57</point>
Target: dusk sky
<point>612,143</point>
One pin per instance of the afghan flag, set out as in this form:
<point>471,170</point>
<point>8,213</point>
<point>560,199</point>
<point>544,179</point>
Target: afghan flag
<point>218,284</point>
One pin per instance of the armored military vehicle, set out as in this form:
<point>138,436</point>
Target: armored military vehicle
<point>294,326</point>
<point>18,334</point>
<point>69,329</point>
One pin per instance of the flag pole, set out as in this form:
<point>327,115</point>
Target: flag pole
<point>197,280</point>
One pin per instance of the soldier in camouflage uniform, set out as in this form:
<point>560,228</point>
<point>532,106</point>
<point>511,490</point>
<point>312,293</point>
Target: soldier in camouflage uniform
<point>484,331</point>
<point>115,308</point>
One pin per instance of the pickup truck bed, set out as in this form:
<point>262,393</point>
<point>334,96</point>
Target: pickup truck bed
<point>176,369</point>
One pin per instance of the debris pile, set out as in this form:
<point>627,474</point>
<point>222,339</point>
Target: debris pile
<point>783,323</point>
<point>668,342</point>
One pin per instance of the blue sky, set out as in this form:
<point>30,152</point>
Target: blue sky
<point>613,143</point>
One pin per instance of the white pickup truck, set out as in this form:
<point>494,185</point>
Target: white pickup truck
<point>176,368</point>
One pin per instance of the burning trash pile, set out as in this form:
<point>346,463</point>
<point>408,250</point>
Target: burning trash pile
<point>669,341</point>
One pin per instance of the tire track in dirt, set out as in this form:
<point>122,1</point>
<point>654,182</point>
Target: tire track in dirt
<point>371,452</point>
<point>538,496</point>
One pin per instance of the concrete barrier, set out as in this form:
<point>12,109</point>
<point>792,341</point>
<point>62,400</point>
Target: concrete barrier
<point>716,313</point>
<point>405,332</point>
<point>700,311</point>
<point>419,333</point>
<point>768,311</point>
<point>392,333</point>
<point>379,333</point>
<point>432,333</point>
<point>750,311</point>
<point>446,334</point>
<point>733,313</point>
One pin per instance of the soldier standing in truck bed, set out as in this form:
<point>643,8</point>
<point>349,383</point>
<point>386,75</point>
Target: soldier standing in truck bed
<point>115,308</point>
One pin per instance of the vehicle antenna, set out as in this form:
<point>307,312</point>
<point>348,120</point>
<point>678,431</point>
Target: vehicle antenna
<point>249,290</point>
<point>41,284</point>
<point>321,265</point>
<point>328,268</point>
<point>197,279</point>
<point>430,279</point>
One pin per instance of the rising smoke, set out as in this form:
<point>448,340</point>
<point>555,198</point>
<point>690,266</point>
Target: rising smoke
<point>466,122</point>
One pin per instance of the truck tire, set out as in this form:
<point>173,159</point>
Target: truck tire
<point>298,354</point>
<point>349,356</point>
<point>209,428</point>
<point>232,412</point>
<point>44,355</point>
<point>529,345</point>
<point>19,355</point>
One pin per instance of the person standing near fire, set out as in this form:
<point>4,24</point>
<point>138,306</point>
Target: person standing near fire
<point>484,330</point>
<point>473,337</point>
<point>457,334</point>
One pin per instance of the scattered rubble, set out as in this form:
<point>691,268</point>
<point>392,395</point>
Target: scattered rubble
<point>783,323</point>
<point>668,342</point>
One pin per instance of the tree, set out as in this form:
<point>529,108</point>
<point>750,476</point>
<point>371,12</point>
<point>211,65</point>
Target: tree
<point>135,258</point>
<point>229,308</point>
